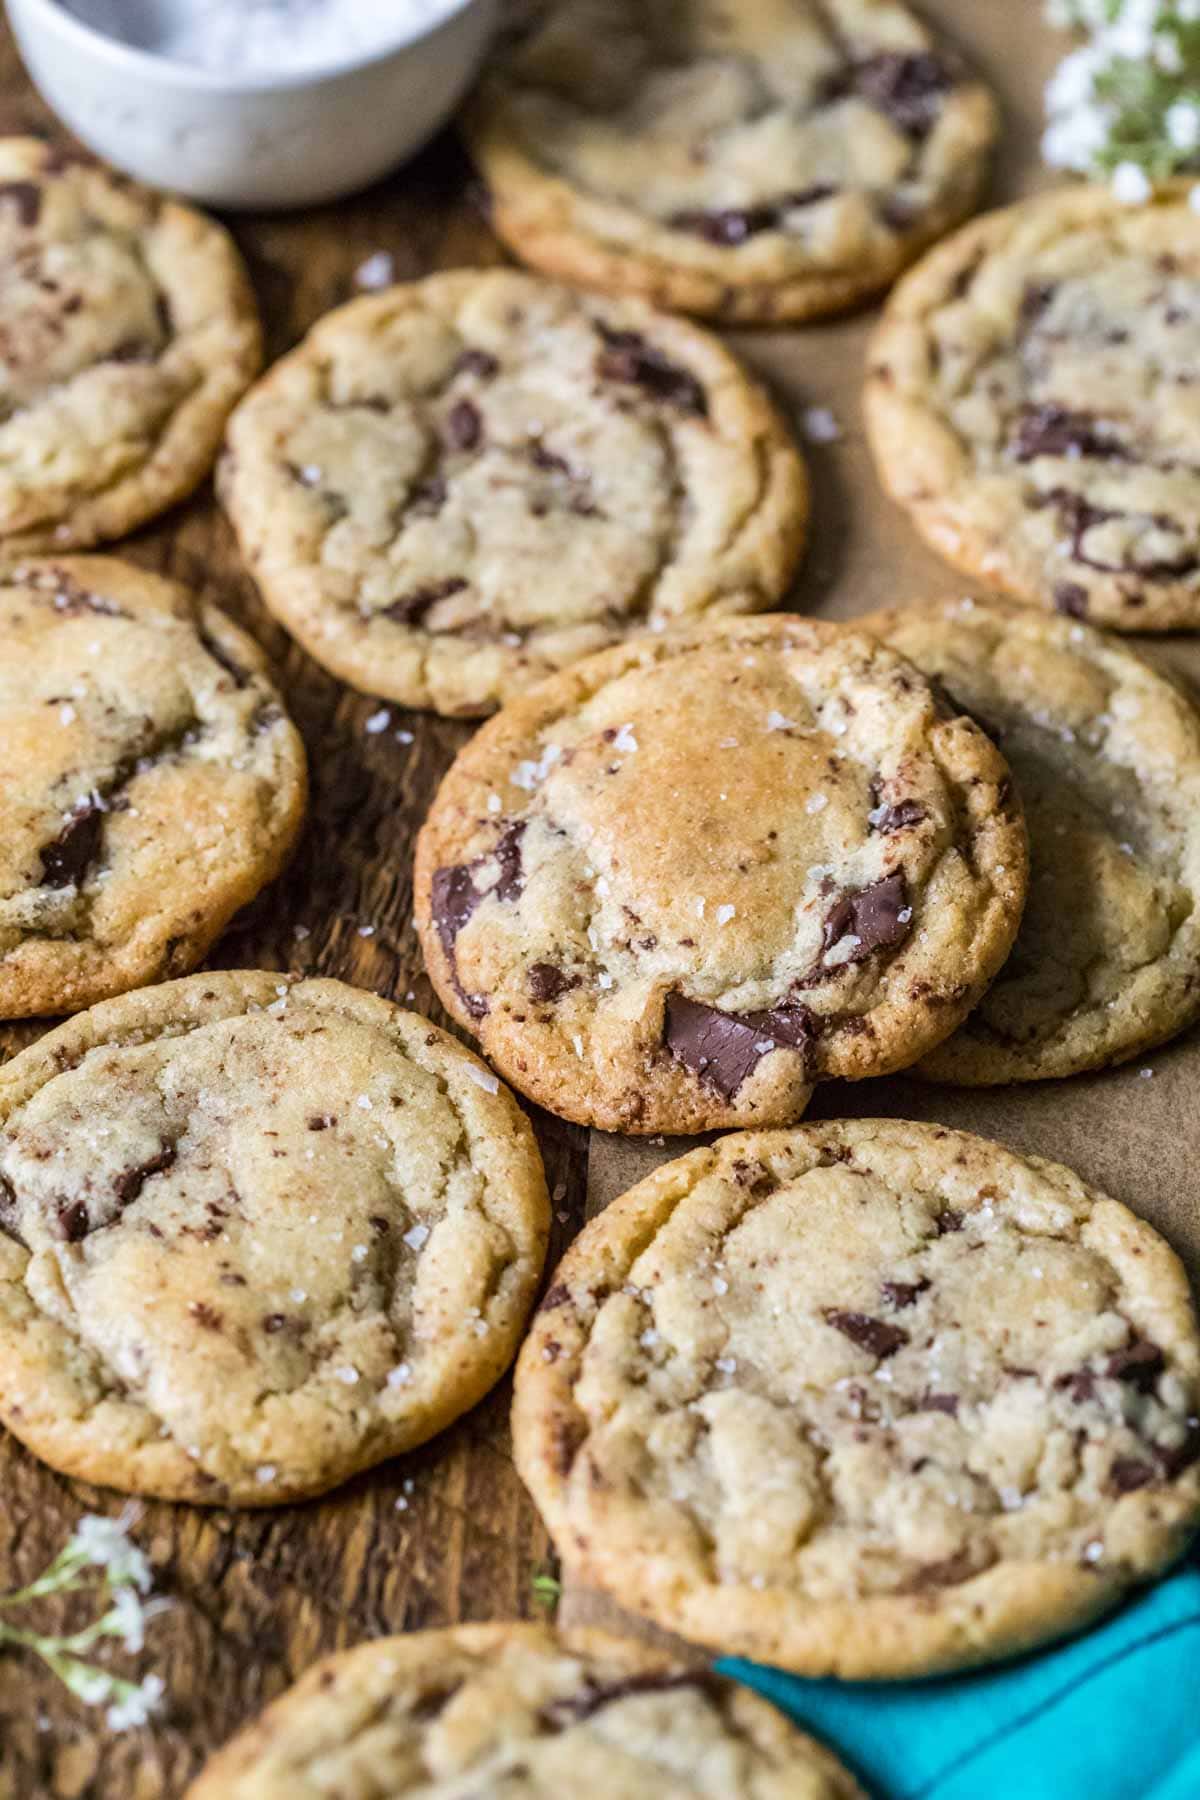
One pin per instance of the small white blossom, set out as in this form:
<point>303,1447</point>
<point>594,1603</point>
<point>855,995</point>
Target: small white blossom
<point>137,1705</point>
<point>105,1543</point>
<point>1131,185</point>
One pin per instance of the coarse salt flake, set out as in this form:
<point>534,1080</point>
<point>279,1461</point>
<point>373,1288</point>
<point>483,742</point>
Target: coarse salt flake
<point>483,1078</point>
<point>378,721</point>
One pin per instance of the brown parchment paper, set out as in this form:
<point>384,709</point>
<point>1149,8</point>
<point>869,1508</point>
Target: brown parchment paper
<point>1134,1134</point>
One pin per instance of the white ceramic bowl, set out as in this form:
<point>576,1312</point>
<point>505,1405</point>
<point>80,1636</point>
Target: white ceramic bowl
<point>268,141</point>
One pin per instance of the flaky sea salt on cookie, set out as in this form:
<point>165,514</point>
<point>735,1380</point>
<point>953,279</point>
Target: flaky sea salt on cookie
<point>152,782</point>
<point>130,329</point>
<point>523,1711</point>
<point>672,887</point>
<point>255,1237</point>
<point>455,487</point>
<point>864,1399</point>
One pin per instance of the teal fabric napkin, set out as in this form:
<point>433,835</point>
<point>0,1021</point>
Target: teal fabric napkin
<point>1112,1715</point>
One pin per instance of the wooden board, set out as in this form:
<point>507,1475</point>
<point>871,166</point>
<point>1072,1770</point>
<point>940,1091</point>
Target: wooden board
<point>448,1533</point>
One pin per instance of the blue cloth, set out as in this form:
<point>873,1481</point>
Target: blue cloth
<point>1112,1715</point>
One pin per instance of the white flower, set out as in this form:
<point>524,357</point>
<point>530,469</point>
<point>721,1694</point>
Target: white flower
<point>137,1705</point>
<point>88,1684</point>
<point>105,1542</point>
<point>128,1619</point>
<point>1182,120</point>
<point>1131,185</point>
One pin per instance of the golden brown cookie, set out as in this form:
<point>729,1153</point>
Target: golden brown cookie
<point>255,1236</point>
<point>864,1399</point>
<point>130,329</point>
<point>454,488</point>
<point>520,1710</point>
<point>152,782</point>
<point>1032,402</point>
<point>773,159</point>
<point>676,884</point>
<point>1106,756</point>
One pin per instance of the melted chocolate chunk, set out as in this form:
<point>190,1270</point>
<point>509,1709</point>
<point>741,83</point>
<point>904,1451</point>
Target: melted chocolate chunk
<point>274,1322</point>
<point>1071,599</point>
<point>221,656</point>
<point>879,916</point>
<point>547,982</point>
<point>129,1184</point>
<point>908,87</point>
<point>904,1293</point>
<point>952,1569</point>
<point>1079,1384</point>
<point>412,607</point>
<point>476,362</point>
<point>1139,1362</point>
<point>73,1221</point>
<point>558,1295</point>
<point>1130,1472</point>
<point>205,1315</point>
<point>1056,431</point>
<point>25,197</point>
<point>724,1049</point>
<point>948,1220</point>
<point>1175,1460</point>
<point>1034,301</point>
<point>628,357</point>
<point>733,225</point>
<point>571,1709</point>
<point>873,1335</point>
<point>898,817</point>
<point>321,1121</point>
<point>454,898</point>
<point>464,426</point>
<point>1077,517</point>
<point>943,1403</point>
<point>66,861</point>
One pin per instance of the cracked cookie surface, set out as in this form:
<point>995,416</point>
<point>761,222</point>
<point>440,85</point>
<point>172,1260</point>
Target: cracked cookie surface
<point>255,1237</point>
<point>129,331</point>
<point>454,488</point>
<point>153,783</point>
<point>776,159</point>
<point>679,882</point>
<point>523,1711</point>
<point>1032,401</point>
<point>1106,757</point>
<point>867,1399</point>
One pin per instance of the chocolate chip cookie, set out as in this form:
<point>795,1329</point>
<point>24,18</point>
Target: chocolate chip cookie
<point>1033,402</point>
<point>129,331</point>
<point>152,781</point>
<point>520,1710</point>
<point>676,884</point>
<point>255,1237</point>
<point>461,485</point>
<point>1106,756</point>
<point>776,159</point>
<point>864,1399</point>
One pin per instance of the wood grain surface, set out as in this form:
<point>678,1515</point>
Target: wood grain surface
<point>448,1534</point>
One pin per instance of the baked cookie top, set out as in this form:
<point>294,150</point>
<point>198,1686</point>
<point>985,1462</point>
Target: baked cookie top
<point>129,331</point>
<point>152,781</point>
<point>520,1710</point>
<point>770,160</point>
<point>455,487</point>
<point>255,1237</point>
<point>1106,756</point>
<point>1032,401</point>
<point>675,884</point>
<point>864,1399</point>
